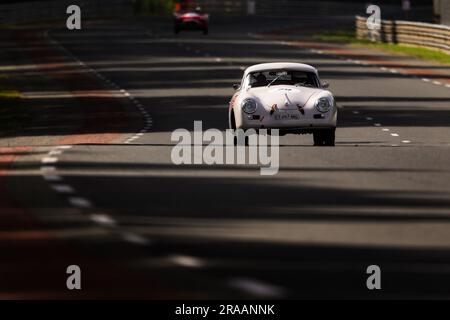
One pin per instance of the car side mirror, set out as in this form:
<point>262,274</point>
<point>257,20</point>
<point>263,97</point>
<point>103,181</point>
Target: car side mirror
<point>325,85</point>
<point>236,86</point>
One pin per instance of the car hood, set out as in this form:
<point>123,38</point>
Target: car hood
<point>285,97</point>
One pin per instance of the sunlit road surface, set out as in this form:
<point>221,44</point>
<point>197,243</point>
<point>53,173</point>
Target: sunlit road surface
<point>151,229</point>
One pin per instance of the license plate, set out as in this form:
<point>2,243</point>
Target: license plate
<point>287,116</point>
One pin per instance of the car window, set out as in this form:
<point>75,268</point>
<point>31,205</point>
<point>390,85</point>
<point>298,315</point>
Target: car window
<point>283,77</point>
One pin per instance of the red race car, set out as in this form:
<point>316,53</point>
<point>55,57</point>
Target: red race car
<point>191,20</point>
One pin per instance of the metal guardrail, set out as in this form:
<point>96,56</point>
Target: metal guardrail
<point>51,10</point>
<point>282,8</point>
<point>426,35</point>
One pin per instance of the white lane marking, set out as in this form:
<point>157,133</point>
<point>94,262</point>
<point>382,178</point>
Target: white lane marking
<point>426,80</point>
<point>46,169</point>
<point>186,261</point>
<point>385,129</point>
<point>80,202</point>
<point>394,134</point>
<point>256,287</point>
<point>384,68</point>
<point>62,188</point>
<point>448,85</point>
<point>55,152</point>
<point>103,219</point>
<point>218,59</point>
<point>393,71</point>
<point>406,141</point>
<point>49,160</point>
<point>52,177</point>
<point>437,83</point>
<point>64,147</point>
<point>136,239</point>
<point>377,124</point>
<point>369,118</point>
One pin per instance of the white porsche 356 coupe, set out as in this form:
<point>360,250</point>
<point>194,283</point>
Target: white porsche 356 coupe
<point>284,96</point>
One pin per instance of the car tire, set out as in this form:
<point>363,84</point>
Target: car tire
<point>324,138</point>
<point>205,31</point>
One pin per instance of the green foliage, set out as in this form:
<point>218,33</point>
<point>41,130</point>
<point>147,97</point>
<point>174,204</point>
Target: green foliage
<point>348,37</point>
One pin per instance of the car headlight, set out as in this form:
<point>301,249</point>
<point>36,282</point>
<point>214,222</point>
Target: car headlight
<point>249,106</point>
<point>323,104</point>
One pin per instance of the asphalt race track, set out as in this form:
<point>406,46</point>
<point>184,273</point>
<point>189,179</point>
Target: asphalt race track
<point>140,226</point>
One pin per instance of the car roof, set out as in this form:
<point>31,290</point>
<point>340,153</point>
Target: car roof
<point>280,65</point>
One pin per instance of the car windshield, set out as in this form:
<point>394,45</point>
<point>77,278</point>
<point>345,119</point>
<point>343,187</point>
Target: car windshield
<point>283,77</point>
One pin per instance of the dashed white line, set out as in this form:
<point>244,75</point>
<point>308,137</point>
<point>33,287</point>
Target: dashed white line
<point>55,152</point>
<point>394,134</point>
<point>103,219</point>
<point>80,202</point>
<point>49,160</point>
<point>52,177</point>
<point>257,288</point>
<point>136,239</point>
<point>186,261</point>
<point>62,188</point>
<point>64,147</point>
<point>47,169</point>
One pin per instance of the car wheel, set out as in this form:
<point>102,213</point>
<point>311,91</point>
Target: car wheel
<point>205,31</point>
<point>325,137</point>
<point>231,121</point>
